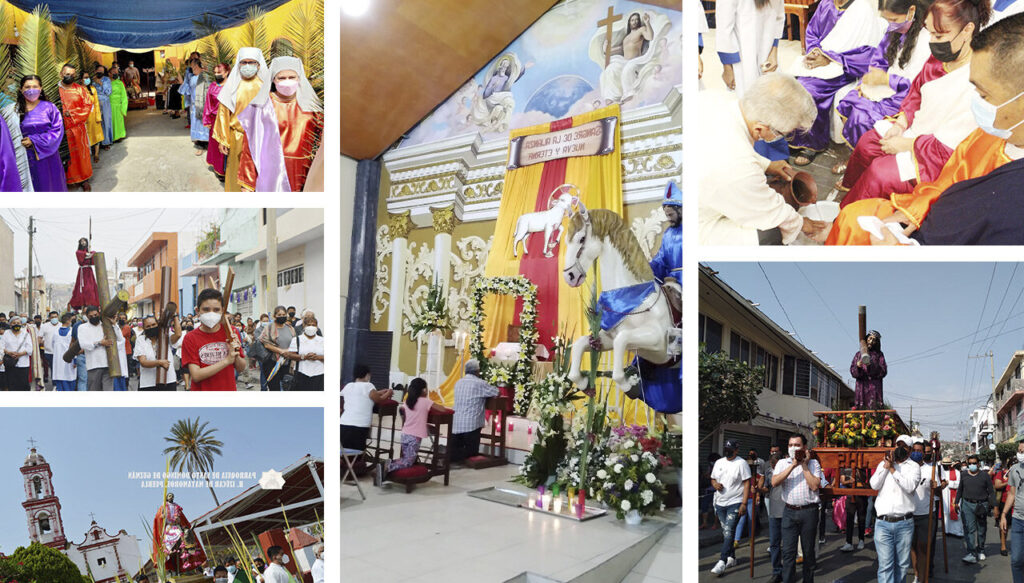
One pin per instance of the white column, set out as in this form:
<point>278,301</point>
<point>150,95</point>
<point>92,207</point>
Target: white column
<point>444,221</point>
<point>398,228</point>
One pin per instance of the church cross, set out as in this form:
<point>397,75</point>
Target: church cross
<point>32,443</point>
<point>92,515</point>
<point>607,24</point>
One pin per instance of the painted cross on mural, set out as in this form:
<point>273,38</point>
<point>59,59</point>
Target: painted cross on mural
<point>607,23</point>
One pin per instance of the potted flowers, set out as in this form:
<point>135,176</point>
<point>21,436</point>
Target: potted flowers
<point>628,477</point>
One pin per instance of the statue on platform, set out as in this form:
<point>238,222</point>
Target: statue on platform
<point>667,263</point>
<point>549,222</point>
<point>635,311</point>
<point>869,368</point>
<point>174,538</point>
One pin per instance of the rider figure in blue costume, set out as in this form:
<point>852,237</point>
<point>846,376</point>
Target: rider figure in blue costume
<point>669,260</point>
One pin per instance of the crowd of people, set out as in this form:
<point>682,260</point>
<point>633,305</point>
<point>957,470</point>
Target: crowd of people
<point>287,351</point>
<point>258,571</point>
<point>360,396</point>
<point>958,496</point>
<point>274,104</point>
<point>923,95</point>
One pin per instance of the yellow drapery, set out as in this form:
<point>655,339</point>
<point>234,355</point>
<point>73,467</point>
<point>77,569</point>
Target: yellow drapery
<point>599,179</point>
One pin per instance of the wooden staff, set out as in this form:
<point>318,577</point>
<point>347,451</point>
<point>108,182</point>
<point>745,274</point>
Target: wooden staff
<point>931,507</point>
<point>862,329</point>
<point>229,282</point>
<point>753,526</point>
<point>164,321</point>
<point>103,293</point>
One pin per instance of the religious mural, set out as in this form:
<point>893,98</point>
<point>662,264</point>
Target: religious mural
<point>578,57</point>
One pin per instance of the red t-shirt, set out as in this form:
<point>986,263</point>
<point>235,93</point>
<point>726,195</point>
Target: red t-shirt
<point>206,349</point>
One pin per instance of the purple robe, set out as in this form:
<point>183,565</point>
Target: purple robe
<point>44,125</point>
<point>868,393</point>
<point>854,62</point>
<point>10,179</point>
<point>860,112</point>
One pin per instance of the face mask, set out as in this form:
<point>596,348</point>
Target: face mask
<point>285,560</point>
<point>219,78</point>
<point>232,570</point>
<point>286,88</point>
<point>1020,457</point>
<point>16,327</point>
<point>777,149</point>
<point>972,467</point>
<point>928,457</point>
<point>94,320</point>
<point>68,79</point>
<point>248,71</point>
<point>31,94</point>
<point>310,331</point>
<point>221,580</point>
<point>87,81</point>
<point>792,451</point>
<point>985,116</point>
<point>901,27</point>
<point>944,51</point>
<point>115,75</point>
<point>281,319</point>
<point>209,319</point>
<point>54,321</point>
<point>151,333</point>
<point>917,456</point>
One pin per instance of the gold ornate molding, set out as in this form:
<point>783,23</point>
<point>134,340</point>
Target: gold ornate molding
<point>444,219</point>
<point>399,225</point>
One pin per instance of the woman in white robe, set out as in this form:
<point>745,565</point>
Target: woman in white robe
<point>747,39</point>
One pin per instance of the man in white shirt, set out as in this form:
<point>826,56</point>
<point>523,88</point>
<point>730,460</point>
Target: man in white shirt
<point>308,346</point>
<point>922,455</point>
<point>318,565</point>
<point>145,354</point>
<point>799,476</point>
<point>46,330</point>
<point>90,338</point>
<point>896,478</point>
<point>736,204</point>
<point>276,573</point>
<point>730,477</point>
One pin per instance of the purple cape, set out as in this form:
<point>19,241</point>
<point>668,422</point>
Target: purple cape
<point>44,125</point>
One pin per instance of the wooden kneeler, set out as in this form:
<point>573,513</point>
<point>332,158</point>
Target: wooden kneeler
<point>437,456</point>
<point>494,439</point>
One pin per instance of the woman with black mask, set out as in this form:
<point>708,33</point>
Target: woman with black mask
<point>17,346</point>
<point>276,337</point>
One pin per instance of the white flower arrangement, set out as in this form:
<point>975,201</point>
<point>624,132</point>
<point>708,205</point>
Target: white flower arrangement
<point>632,483</point>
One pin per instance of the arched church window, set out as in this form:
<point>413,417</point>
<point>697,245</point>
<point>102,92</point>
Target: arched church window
<point>37,486</point>
<point>44,523</point>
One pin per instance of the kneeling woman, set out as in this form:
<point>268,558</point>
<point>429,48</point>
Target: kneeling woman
<point>42,129</point>
<point>416,408</point>
<point>308,350</point>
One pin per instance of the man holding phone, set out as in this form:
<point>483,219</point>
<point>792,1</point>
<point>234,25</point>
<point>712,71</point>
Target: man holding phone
<point>896,480</point>
<point>800,477</point>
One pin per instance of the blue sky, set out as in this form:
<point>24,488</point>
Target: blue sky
<point>929,315</point>
<point>92,450</point>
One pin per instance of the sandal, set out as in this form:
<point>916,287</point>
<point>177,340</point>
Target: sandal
<point>839,186</point>
<point>804,157</point>
<point>839,168</point>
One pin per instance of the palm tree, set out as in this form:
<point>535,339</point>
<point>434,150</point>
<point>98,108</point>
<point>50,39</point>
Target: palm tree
<point>194,448</point>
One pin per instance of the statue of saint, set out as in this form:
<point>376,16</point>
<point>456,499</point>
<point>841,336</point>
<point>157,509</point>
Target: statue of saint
<point>174,539</point>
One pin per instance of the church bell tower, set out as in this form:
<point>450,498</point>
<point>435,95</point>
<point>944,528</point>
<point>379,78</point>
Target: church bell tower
<point>42,507</point>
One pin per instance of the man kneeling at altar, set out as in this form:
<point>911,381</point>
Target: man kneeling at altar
<point>471,393</point>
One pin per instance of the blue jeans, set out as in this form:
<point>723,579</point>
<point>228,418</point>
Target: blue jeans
<point>83,374</point>
<point>802,525</point>
<point>892,545</point>
<point>870,522</point>
<point>1017,550</point>
<point>263,379</point>
<point>727,515</point>
<point>775,544</point>
<point>974,527</point>
<point>744,520</point>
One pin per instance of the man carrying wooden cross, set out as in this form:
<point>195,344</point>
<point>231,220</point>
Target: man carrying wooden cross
<point>212,352</point>
<point>92,340</point>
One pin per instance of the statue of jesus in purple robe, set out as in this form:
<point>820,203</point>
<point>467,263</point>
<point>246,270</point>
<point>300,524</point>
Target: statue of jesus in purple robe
<point>869,370</point>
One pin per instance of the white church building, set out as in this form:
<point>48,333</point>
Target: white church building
<point>107,558</point>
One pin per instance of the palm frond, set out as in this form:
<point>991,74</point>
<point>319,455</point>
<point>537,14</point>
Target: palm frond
<point>254,31</point>
<point>87,57</point>
<point>305,30</point>
<point>214,48</point>
<point>35,52</point>
<point>5,54</point>
<point>65,37</point>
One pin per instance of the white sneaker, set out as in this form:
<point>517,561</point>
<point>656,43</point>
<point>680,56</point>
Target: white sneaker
<point>981,556</point>
<point>860,545</point>
<point>970,559</point>
<point>730,562</point>
<point>916,580</point>
<point>846,548</point>
<point>719,568</point>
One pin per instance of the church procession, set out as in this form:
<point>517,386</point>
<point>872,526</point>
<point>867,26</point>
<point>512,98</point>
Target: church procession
<point>214,96</point>
<point>511,371</point>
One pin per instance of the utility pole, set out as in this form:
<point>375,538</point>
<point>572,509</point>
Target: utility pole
<point>271,259</point>
<point>31,232</point>
<point>90,231</point>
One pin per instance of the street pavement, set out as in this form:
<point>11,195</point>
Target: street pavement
<point>249,380</point>
<point>835,566</point>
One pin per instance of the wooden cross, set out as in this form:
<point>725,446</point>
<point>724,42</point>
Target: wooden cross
<point>607,23</point>
<point>92,515</point>
<point>32,443</point>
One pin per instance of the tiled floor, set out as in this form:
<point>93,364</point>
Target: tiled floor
<point>439,533</point>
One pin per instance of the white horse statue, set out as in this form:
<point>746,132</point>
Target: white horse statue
<point>560,203</point>
<point>625,272</point>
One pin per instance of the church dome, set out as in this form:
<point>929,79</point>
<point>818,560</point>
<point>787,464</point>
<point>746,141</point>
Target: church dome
<point>34,458</point>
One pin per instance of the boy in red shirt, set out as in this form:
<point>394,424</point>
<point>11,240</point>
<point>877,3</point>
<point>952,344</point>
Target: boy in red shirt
<point>211,353</point>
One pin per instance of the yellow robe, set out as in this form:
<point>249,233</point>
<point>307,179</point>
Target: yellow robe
<point>94,125</point>
<point>228,131</point>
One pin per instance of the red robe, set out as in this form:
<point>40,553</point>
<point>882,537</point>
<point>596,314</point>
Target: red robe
<point>299,133</point>
<point>85,293</point>
<point>77,105</point>
<point>189,553</point>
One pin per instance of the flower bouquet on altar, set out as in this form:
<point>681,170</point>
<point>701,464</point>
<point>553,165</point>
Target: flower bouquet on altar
<point>628,477</point>
<point>857,428</point>
<point>434,315</point>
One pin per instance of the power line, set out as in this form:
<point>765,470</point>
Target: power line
<point>827,307</point>
<point>771,287</point>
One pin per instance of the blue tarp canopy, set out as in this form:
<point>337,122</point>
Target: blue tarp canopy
<point>144,24</point>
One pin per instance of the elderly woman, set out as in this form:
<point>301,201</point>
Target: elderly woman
<point>276,337</point>
<point>17,346</point>
<point>307,349</point>
<point>737,206</point>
